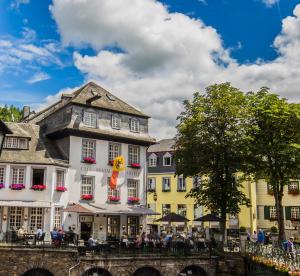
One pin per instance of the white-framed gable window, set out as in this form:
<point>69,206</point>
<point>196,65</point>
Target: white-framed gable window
<point>167,159</point>
<point>114,150</point>
<point>152,160</point>
<point>90,119</point>
<point>133,154</point>
<point>15,143</point>
<point>115,122</point>
<point>134,125</point>
<point>88,148</point>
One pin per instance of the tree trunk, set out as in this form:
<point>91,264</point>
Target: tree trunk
<point>279,212</point>
<point>223,227</point>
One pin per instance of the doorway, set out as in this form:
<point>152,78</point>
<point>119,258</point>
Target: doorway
<point>85,230</point>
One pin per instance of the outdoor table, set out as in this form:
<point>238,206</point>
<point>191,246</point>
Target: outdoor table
<point>28,237</point>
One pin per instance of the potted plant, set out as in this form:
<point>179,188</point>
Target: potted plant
<point>17,186</point>
<point>61,188</point>
<point>2,185</point>
<point>89,160</point>
<point>135,165</point>
<point>114,198</point>
<point>38,187</point>
<point>133,200</point>
<point>87,197</point>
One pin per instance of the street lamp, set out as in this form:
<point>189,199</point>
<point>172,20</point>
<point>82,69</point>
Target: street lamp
<point>3,131</point>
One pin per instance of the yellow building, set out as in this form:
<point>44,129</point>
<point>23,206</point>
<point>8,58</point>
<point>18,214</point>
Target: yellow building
<point>165,192</point>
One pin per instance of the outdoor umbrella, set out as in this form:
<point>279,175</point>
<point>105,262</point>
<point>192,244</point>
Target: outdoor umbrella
<point>209,217</point>
<point>172,217</point>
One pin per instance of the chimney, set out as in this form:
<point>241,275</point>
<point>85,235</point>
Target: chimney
<point>26,111</point>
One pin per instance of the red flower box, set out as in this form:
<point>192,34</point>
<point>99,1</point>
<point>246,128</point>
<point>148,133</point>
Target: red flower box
<point>39,187</point>
<point>1,186</point>
<point>133,199</point>
<point>114,198</point>
<point>135,165</point>
<point>61,188</point>
<point>89,160</point>
<point>17,186</point>
<point>87,197</point>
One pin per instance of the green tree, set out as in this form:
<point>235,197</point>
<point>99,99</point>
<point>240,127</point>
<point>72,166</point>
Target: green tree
<point>10,114</point>
<point>209,143</point>
<point>274,152</point>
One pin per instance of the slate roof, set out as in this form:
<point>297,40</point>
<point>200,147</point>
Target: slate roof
<point>104,100</point>
<point>162,146</point>
<point>40,151</point>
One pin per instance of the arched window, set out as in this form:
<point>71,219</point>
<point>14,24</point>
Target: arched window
<point>152,160</point>
<point>167,159</point>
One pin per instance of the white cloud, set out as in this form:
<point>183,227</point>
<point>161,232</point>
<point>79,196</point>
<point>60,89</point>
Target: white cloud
<point>270,3</point>
<point>17,3</point>
<point>167,56</point>
<point>37,77</point>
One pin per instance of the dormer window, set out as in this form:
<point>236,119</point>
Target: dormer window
<point>134,125</point>
<point>115,122</point>
<point>152,160</point>
<point>15,143</point>
<point>167,159</point>
<point>89,119</point>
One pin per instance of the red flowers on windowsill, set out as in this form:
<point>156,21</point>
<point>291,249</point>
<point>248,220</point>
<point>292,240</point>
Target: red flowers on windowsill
<point>111,162</point>
<point>1,186</point>
<point>39,187</point>
<point>114,198</point>
<point>135,165</point>
<point>60,188</point>
<point>87,197</point>
<point>17,186</point>
<point>133,200</point>
<point>89,160</point>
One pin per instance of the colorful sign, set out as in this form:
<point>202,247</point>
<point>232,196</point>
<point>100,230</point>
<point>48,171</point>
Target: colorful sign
<point>119,166</point>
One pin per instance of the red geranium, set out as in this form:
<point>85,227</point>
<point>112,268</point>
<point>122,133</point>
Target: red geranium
<point>38,187</point>
<point>135,165</point>
<point>89,160</point>
<point>61,188</point>
<point>87,197</point>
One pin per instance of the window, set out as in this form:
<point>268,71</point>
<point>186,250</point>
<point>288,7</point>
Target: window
<point>87,185</point>
<point>35,218</point>
<point>15,218</point>
<point>18,176</point>
<point>133,155</point>
<point>132,226</point>
<point>293,187</point>
<point>134,125</point>
<point>196,181</point>
<point>57,217</point>
<point>89,119</point>
<point>181,209</point>
<point>166,209</point>
<point>60,178</point>
<point>113,227</point>
<point>295,214</point>
<point>270,189</point>
<point>197,211</point>
<point>273,214</point>
<point>132,188</point>
<point>151,183</point>
<point>167,159</point>
<point>15,143</point>
<point>112,193</point>
<point>181,184</point>
<point>88,148</point>
<point>152,206</point>
<point>115,122</point>
<point>38,176</point>
<point>166,184</point>
<point>2,175</point>
<point>114,150</point>
<point>152,160</point>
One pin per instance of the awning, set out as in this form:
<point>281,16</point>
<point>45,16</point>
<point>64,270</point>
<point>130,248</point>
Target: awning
<point>109,209</point>
<point>22,203</point>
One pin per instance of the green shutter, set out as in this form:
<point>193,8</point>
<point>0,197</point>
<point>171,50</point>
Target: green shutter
<point>287,212</point>
<point>267,212</point>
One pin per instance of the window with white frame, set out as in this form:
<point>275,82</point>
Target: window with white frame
<point>181,210</point>
<point>295,213</point>
<point>114,150</point>
<point>15,218</point>
<point>133,154</point>
<point>197,211</point>
<point>115,122</point>
<point>87,185</point>
<point>196,181</point>
<point>35,219</point>
<point>181,184</point>
<point>166,184</point>
<point>273,213</point>
<point>167,159</point>
<point>18,175</point>
<point>88,148</point>
<point>151,184</point>
<point>15,143</point>
<point>2,175</point>
<point>57,217</point>
<point>166,209</point>
<point>152,160</point>
<point>132,188</point>
<point>134,125</point>
<point>90,119</point>
<point>113,193</point>
<point>60,178</point>
<point>293,186</point>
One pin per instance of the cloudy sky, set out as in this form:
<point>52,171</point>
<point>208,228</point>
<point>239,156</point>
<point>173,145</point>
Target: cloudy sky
<point>152,54</point>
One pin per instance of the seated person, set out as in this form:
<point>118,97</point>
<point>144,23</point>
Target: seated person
<point>92,243</point>
<point>21,233</point>
<point>54,236</point>
<point>39,233</point>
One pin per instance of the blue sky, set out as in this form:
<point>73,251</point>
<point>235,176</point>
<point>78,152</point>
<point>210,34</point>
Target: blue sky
<point>160,51</point>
